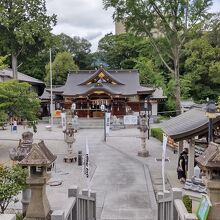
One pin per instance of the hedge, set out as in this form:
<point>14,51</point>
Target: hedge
<point>157,133</point>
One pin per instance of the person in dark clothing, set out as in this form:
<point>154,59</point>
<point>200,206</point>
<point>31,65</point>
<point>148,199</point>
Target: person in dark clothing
<point>182,164</point>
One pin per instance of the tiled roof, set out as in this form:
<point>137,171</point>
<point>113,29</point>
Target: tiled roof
<point>127,83</point>
<point>21,77</point>
<point>39,155</point>
<point>189,124</point>
<point>211,157</point>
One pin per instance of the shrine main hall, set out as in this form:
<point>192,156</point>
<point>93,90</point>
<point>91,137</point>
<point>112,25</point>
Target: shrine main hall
<point>118,90</point>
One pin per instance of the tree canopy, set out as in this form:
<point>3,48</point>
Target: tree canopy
<point>79,48</point>
<point>24,27</point>
<point>202,68</point>
<point>12,181</point>
<point>2,62</point>
<point>17,100</point>
<point>170,19</point>
<point>62,64</point>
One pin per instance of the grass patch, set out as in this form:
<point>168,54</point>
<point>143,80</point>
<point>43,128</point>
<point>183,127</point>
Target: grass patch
<point>188,203</point>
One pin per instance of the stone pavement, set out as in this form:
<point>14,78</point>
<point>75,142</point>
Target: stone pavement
<point>121,179</point>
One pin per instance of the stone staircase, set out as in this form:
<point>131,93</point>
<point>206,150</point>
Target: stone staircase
<point>92,123</point>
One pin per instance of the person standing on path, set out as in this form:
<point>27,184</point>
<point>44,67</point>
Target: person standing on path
<point>182,166</point>
<point>14,126</point>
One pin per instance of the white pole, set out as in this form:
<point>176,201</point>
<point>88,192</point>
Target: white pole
<point>51,92</point>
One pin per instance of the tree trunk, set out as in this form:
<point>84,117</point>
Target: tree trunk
<point>14,66</point>
<point>177,82</point>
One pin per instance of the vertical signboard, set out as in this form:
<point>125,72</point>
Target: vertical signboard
<point>107,120</point>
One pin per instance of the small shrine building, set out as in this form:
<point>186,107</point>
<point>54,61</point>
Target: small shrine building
<point>119,90</point>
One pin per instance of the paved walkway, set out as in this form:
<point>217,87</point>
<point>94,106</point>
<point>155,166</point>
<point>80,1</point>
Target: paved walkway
<point>121,179</point>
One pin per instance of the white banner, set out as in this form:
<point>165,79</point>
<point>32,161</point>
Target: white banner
<point>163,159</point>
<point>63,120</point>
<point>107,122</point>
<point>86,165</point>
<point>130,119</point>
<point>86,161</point>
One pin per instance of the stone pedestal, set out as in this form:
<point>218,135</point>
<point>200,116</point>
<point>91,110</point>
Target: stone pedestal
<point>213,191</point>
<point>143,136</point>
<point>26,194</point>
<point>143,152</point>
<point>70,156</point>
<point>39,207</point>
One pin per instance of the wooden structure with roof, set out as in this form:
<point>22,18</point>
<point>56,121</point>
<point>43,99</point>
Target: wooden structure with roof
<point>37,85</point>
<point>209,161</point>
<point>186,127</point>
<point>119,90</point>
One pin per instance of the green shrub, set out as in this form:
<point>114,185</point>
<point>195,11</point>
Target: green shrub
<point>157,133</point>
<point>19,216</point>
<point>188,203</point>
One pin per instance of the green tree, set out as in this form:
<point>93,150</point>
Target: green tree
<point>2,62</point>
<point>121,51</point>
<point>80,49</point>
<point>17,100</point>
<point>202,68</point>
<point>35,65</point>
<point>149,73</point>
<point>170,19</point>
<point>24,27</point>
<point>12,181</point>
<point>61,66</point>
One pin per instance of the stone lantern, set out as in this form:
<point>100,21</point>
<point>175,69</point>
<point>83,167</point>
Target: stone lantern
<point>24,147</point>
<point>143,136</point>
<point>38,160</point>
<point>18,154</point>
<point>69,138</point>
<point>209,161</point>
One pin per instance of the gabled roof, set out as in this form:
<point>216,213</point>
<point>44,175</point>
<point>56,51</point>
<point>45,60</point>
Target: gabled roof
<point>189,124</point>
<point>126,82</point>
<point>21,77</point>
<point>101,74</point>
<point>211,157</point>
<point>39,155</point>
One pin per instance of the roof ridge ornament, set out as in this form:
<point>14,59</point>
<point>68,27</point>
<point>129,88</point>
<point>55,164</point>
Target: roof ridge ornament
<point>101,75</point>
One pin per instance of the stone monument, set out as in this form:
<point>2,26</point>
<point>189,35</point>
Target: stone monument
<point>69,138</point>
<point>38,160</point>
<point>209,162</point>
<point>143,136</point>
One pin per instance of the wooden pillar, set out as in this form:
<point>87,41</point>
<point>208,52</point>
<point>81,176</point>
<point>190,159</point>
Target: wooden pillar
<point>180,148</point>
<point>191,158</point>
<point>88,111</point>
<point>113,107</point>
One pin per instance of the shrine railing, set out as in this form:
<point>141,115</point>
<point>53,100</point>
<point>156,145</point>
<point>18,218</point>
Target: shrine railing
<point>84,207</point>
<point>171,206</point>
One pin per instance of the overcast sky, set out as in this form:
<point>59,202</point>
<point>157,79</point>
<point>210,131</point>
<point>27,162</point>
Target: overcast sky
<point>86,18</point>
